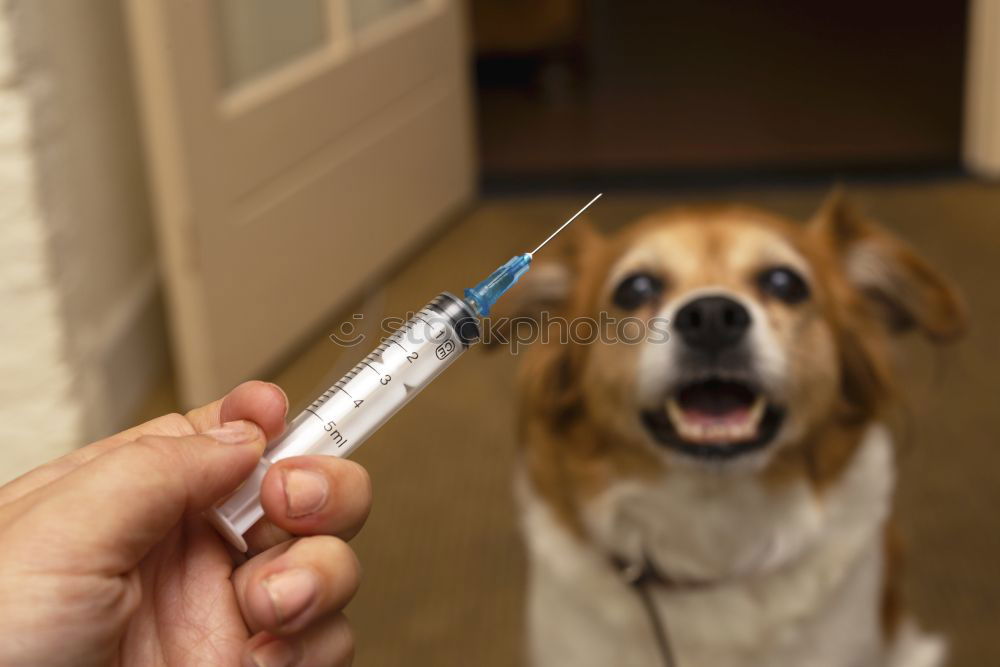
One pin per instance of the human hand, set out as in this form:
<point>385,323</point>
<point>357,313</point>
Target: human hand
<point>106,559</point>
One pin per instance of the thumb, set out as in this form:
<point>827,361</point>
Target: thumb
<point>108,513</point>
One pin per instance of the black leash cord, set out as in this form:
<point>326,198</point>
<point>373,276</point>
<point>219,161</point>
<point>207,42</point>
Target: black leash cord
<point>639,580</point>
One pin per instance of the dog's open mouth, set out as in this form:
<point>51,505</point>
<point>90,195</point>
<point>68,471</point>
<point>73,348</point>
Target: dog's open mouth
<point>715,418</point>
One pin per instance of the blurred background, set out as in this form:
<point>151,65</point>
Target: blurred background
<point>197,193</point>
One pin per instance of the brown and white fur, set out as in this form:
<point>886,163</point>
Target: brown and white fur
<point>771,546</point>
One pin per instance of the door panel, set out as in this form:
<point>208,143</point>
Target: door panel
<point>365,13</point>
<point>365,187</point>
<point>287,180</point>
<point>259,35</point>
<point>372,79</point>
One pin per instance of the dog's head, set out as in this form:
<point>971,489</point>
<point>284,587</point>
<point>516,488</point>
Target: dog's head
<point>757,332</point>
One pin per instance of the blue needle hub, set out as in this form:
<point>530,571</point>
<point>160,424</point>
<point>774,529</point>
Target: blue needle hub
<point>485,294</point>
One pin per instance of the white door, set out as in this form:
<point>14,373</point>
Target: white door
<point>297,148</point>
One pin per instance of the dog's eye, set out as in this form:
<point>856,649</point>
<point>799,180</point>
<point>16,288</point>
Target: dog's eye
<point>637,289</point>
<point>783,283</point>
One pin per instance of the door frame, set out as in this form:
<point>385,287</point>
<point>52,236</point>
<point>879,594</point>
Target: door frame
<point>981,134</point>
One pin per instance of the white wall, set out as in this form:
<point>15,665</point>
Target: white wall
<point>38,414</point>
<point>82,340</point>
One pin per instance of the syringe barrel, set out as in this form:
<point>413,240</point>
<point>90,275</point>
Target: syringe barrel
<point>344,415</point>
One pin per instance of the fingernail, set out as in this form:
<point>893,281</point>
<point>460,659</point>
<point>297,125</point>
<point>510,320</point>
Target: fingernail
<point>305,492</point>
<point>283,394</point>
<point>290,592</point>
<point>277,653</point>
<point>235,433</point>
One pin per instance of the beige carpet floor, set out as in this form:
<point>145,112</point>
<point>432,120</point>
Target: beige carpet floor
<point>444,569</point>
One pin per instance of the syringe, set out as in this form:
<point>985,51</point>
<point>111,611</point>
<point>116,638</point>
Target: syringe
<point>346,414</point>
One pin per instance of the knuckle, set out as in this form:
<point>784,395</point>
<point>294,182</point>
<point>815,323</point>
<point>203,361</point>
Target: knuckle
<point>150,448</point>
<point>156,444</point>
<point>177,424</point>
<point>154,458</point>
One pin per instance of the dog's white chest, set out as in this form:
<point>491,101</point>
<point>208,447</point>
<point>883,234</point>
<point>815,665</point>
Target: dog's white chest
<point>777,578</point>
<point>704,528</point>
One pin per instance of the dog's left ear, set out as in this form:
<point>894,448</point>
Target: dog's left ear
<point>902,287</point>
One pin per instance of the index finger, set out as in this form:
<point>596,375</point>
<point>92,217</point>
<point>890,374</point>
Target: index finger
<point>107,513</point>
<point>263,403</point>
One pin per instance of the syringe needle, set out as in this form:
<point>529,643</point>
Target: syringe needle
<point>564,225</point>
<point>485,294</point>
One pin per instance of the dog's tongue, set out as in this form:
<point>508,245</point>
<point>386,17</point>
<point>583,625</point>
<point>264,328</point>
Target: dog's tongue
<point>734,416</point>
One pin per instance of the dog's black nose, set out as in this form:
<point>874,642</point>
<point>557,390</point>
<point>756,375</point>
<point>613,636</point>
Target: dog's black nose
<point>712,322</point>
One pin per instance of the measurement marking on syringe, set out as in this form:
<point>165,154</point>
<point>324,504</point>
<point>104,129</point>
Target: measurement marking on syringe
<point>310,410</point>
<point>399,346</point>
<point>374,370</point>
<point>437,334</point>
<point>321,399</point>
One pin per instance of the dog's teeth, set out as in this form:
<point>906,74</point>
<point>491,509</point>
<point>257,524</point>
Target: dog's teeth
<point>720,431</point>
<point>674,412</point>
<point>757,411</point>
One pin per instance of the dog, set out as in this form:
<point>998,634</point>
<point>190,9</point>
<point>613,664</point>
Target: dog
<point>721,496</point>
